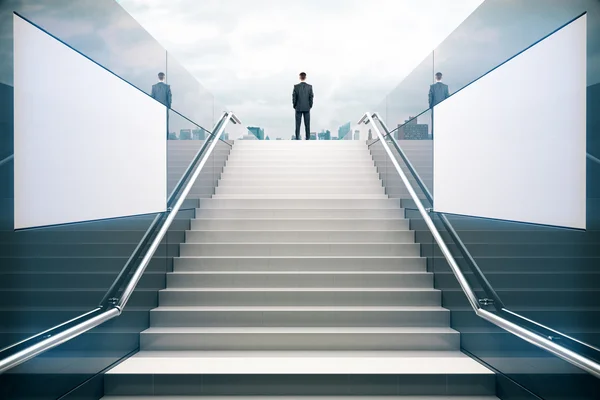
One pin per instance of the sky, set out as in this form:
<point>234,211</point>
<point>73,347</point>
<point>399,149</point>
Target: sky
<point>248,54</point>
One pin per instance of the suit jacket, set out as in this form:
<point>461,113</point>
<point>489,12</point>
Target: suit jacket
<point>162,92</point>
<point>438,92</point>
<point>302,97</point>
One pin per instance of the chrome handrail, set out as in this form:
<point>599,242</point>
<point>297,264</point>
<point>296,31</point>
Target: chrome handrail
<point>592,158</point>
<point>532,337</point>
<point>117,309</point>
<point>7,160</point>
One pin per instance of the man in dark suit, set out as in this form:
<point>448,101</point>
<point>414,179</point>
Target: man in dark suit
<point>438,92</point>
<point>302,100</point>
<point>161,91</point>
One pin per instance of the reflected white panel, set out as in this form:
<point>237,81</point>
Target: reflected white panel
<point>512,145</point>
<point>88,145</point>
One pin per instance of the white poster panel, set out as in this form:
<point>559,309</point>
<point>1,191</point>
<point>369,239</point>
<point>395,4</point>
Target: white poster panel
<point>512,145</point>
<point>88,145</point>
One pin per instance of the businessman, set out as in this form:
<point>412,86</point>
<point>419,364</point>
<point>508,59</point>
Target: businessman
<point>161,91</point>
<point>438,92</point>
<point>302,100</point>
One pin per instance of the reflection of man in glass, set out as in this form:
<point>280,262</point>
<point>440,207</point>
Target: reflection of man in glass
<point>161,91</point>
<point>438,92</point>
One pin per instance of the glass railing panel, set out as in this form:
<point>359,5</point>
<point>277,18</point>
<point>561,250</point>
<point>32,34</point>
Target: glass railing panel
<point>94,28</point>
<point>218,110</point>
<point>181,153</point>
<point>50,275</point>
<point>189,97</point>
<point>102,30</point>
<point>498,30</point>
<point>64,368</point>
<point>418,150</point>
<point>411,97</point>
<point>382,109</point>
<point>185,140</point>
<point>518,362</point>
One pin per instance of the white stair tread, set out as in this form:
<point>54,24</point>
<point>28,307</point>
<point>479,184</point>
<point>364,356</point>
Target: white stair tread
<point>300,363</point>
<point>300,330</point>
<point>300,257</point>
<point>300,196</point>
<point>298,398</point>
<point>299,219</point>
<point>362,273</point>
<point>302,243</point>
<point>299,308</point>
<point>300,289</point>
<point>361,231</point>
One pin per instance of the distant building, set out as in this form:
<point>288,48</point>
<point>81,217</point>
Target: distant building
<point>324,135</point>
<point>173,136</point>
<point>412,130</point>
<point>185,134</point>
<point>343,132</point>
<point>257,131</point>
<point>278,138</point>
<point>225,136</point>
<point>248,137</point>
<point>199,134</point>
<point>313,136</point>
<point>356,135</point>
<point>267,138</point>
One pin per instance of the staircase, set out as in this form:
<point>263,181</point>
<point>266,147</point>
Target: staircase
<point>300,277</point>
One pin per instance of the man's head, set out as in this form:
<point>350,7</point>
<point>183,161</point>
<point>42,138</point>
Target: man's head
<point>438,76</point>
<point>302,76</point>
<point>161,76</point>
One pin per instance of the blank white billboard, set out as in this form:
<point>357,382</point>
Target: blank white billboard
<point>512,145</point>
<point>87,145</point>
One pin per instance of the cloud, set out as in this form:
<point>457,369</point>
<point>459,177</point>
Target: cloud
<point>249,54</point>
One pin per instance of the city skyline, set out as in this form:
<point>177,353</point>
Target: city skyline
<point>249,54</point>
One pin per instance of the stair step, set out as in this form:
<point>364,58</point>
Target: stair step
<point>322,236</point>
<point>300,338</point>
<point>231,181</point>
<point>301,196</point>
<point>299,249</point>
<point>300,362</point>
<point>303,204</point>
<point>300,297</point>
<point>317,161</point>
<point>300,224</point>
<point>242,191</point>
<point>354,397</point>
<point>307,170</point>
<point>309,263</point>
<point>243,213</point>
<point>293,175</point>
<point>262,279</point>
<point>297,316</point>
